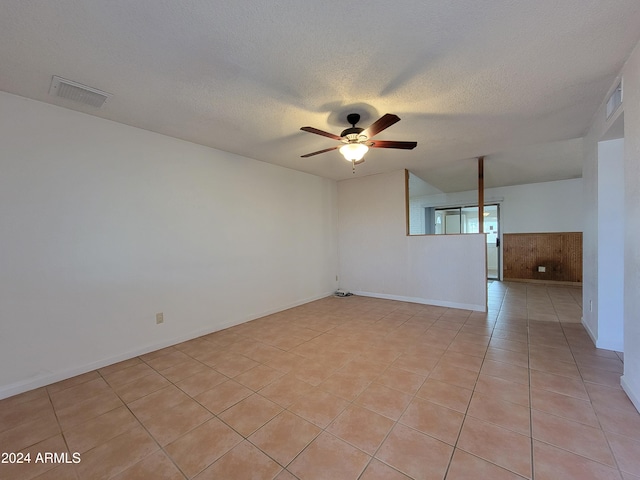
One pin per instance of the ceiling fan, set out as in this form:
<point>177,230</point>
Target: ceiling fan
<point>357,141</point>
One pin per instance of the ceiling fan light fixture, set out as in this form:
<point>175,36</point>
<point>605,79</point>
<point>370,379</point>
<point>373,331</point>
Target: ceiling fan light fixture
<point>352,152</point>
<point>357,140</point>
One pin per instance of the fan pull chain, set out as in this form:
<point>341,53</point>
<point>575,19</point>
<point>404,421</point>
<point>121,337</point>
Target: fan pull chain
<point>353,164</point>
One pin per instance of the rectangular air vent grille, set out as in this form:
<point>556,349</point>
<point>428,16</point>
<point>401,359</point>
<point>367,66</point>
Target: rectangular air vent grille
<point>61,87</point>
<point>615,100</point>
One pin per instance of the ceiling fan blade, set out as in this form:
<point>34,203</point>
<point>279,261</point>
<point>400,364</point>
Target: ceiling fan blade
<point>392,144</point>
<point>379,125</point>
<point>319,151</point>
<point>359,162</point>
<point>321,132</point>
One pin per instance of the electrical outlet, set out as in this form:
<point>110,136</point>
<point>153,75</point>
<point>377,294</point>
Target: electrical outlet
<point>542,269</point>
<point>159,318</point>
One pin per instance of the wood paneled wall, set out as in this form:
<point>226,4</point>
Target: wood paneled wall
<point>559,253</point>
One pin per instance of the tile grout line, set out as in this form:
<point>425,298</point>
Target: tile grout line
<point>160,447</point>
<point>613,456</point>
<point>466,413</point>
<point>533,459</point>
<point>388,365</point>
<point>570,348</point>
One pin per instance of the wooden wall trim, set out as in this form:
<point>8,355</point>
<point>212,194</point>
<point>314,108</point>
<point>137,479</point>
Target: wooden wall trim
<point>480,194</point>
<point>406,202</point>
<point>560,253</point>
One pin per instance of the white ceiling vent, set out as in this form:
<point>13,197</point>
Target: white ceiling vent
<point>614,100</point>
<point>61,87</point>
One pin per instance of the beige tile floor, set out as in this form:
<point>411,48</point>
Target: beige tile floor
<point>349,388</point>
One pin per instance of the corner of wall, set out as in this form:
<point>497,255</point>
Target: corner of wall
<point>632,392</point>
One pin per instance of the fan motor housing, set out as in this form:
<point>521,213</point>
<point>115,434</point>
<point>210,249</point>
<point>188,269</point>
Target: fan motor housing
<point>352,133</point>
<point>355,135</point>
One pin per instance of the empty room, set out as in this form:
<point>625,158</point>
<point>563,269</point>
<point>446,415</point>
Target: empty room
<point>313,240</point>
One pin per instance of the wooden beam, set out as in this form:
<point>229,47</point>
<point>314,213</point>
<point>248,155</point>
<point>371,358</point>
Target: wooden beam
<point>481,194</point>
<point>406,201</point>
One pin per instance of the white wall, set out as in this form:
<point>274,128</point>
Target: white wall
<point>611,240</point>
<point>537,207</point>
<point>590,234</point>
<point>631,378</point>
<point>602,193</point>
<point>104,225</point>
<point>378,259</point>
<point>597,250</point>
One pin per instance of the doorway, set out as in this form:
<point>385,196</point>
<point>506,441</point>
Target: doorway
<point>492,230</point>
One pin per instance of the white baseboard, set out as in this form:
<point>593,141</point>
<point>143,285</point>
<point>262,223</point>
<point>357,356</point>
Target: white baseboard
<point>425,301</point>
<point>594,337</point>
<point>605,344</point>
<point>53,377</point>
<point>633,396</point>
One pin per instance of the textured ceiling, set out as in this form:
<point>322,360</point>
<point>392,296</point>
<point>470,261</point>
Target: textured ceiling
<point>516,81</point>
